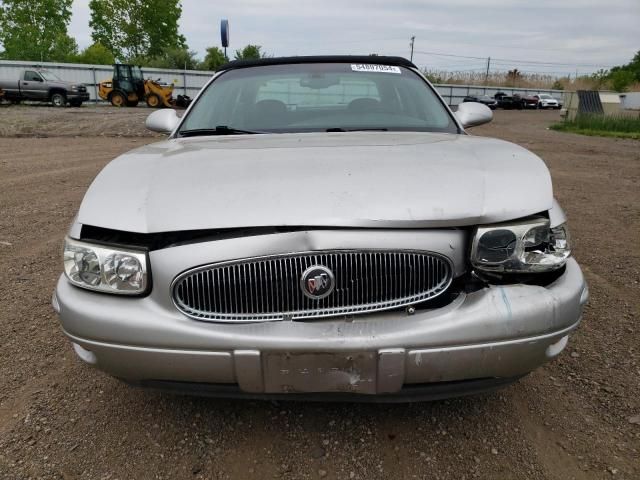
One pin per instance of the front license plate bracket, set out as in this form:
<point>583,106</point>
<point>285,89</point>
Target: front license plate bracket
<point>293,372</point>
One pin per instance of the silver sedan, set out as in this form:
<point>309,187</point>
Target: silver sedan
<point>325,228</point>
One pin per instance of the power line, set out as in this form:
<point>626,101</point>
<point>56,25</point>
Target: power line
<point>449,55</point>
<point>509,60</point>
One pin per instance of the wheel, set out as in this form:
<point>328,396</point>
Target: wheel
<point>132,103</point>
<point>118,99</point>
<point>153,100</point>
<point>58,99</point>
<point>76,103</point>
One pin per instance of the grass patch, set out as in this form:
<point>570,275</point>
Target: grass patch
<point>620,126</point>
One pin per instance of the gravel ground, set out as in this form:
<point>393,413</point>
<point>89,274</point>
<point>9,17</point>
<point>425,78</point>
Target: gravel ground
<point>578,417</point>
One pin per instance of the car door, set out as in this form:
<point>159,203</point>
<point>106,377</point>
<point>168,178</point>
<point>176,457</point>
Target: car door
<point>32,85</point>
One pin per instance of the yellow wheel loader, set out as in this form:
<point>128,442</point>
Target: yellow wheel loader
<point>128,87</point>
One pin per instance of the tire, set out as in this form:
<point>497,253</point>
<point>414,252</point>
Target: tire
<point>75,103</point>
<point>58,99</point>
<point>117,99</point>
<point>153,101</point>
<point>132,103</point>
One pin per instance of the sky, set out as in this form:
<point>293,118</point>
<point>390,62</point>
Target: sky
<point>546,36</point>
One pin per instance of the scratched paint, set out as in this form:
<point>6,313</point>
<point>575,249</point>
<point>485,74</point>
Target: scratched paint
<point>506,302</point>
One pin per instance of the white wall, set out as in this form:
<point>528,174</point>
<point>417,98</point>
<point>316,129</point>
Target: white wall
<point>630,100</point>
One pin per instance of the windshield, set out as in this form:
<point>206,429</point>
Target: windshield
<point>136,73</point>
<point>48,75</point>
<point>319,97</point>
<point>544,95</point>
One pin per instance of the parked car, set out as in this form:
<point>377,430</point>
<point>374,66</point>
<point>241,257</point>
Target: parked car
<point>509,102</point>
<point>530,101</point>
<point>44,86</point>
<point>547,101</point>
<point>320,227</point>
<point>484,99</point>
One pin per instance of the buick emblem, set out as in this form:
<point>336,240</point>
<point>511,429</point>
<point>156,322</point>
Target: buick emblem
<point>317,282</point>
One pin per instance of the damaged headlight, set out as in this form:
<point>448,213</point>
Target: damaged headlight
<point>106,269</point>
<point>529,245</point>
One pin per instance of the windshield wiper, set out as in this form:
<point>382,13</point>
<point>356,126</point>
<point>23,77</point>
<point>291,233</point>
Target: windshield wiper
<point>219,130</point>
<point>340,129</point>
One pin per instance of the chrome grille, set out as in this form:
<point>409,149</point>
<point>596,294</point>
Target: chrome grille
<point>268,288</point>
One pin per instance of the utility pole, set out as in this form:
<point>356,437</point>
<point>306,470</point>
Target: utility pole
<point>486,75</point>
<point>413,39</point>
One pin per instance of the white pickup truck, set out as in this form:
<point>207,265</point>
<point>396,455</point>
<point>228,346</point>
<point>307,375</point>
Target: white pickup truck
<point>43,86</point>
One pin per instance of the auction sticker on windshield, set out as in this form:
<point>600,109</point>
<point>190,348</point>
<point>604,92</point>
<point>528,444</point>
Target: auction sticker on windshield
<point>375,68</point>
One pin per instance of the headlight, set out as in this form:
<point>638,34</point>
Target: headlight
<point>106,269</point>
<point>74,88</point>
<point>529,245</point>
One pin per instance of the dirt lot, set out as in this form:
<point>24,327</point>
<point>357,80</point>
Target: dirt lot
<point>578,417</point>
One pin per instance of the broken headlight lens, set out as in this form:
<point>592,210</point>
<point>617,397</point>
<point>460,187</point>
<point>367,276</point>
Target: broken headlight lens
<point>529,245</point>
<point>106,269</point>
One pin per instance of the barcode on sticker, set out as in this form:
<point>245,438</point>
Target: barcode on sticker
<point>361,67</point>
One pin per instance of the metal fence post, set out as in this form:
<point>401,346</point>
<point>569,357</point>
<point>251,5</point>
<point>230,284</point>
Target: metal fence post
<point>95,86</point>
<point>184,76</point>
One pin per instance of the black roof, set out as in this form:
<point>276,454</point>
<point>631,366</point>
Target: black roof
<point>368,59</point>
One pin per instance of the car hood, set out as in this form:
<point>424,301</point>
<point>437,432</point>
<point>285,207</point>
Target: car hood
<point>61,83</point>
<point>359,179</point>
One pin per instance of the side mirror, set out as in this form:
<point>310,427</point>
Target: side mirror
<point>472,114</point>
<point>162,121</point>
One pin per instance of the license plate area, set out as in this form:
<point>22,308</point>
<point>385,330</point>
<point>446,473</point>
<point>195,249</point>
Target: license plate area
<point>293,372</point>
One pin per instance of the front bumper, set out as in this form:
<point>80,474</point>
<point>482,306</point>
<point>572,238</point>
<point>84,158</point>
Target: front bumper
<point>499,332</point>
<point>83,96</point>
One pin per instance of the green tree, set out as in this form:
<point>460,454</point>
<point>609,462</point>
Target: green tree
<point>64,49</point>
<point>214,59</point>
<point>36,30</point>
<point>177,58</point>
<point>621,79</point>
<point>599,78</point>
<point>96,54</point>
<point>250,52</point>
<point>633,67</point>
<point>134,28</point>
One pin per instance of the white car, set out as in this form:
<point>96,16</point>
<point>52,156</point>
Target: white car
<point>547,101</point>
